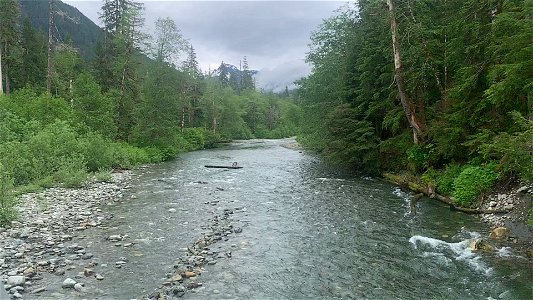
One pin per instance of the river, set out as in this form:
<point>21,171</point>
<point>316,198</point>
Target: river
<point>308,232</point>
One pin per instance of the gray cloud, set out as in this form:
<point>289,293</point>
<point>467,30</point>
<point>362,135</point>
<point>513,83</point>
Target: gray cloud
<point>272,34</point>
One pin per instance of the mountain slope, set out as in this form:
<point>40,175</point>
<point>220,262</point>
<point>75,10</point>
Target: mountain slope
<point>70,24</point>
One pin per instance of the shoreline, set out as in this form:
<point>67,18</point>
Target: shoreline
<point>35,244</point>
<point>507,217</point>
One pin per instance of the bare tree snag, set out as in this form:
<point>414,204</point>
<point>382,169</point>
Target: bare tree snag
<point>1,76</point>
<point>49,67</point>
<point>409,107</point>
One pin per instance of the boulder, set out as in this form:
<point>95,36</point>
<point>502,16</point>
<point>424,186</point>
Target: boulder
<point>499,233</point>
<point>16,280</point>
<point>480,245</point>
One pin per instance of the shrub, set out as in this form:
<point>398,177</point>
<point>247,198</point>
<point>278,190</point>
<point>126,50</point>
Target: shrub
<point>195,137</point>
<point>417,157</point>
<point>473,181</point>
<point>514,151</point>
<point>71,172</point>
<point>51,147</point>
<point>446,178</point>
<point>126,156</point>
<point>97,152</point>
<point>7,200</point>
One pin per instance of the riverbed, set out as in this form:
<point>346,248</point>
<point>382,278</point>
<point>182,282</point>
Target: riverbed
<point>306,231</point>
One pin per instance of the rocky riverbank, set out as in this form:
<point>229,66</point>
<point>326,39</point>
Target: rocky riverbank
<point>511,227</point>
<point>46,237</point>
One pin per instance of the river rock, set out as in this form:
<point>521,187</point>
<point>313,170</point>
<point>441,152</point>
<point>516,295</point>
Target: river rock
<point>193,285</point>
<point>99,277</point>
<point>88,272</point>
<point>499,233</point>
<point>529,253</point>
<point>522,189</point>
<point>189,274</point>
<point>29,272</point>
<point>480,245</point>
<point>176,278</point>
<point>16,280</point>
<point>38,290</point>
<point>79,287</point>
<point>68,283</point>
<point>178,291</point>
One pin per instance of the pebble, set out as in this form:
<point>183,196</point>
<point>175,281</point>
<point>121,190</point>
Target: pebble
<point>79,287</point>
<point>38,290</point>
<point>172,210</point>
<point>68,283</point>
<point>88,272</point>
<point>99,277</point>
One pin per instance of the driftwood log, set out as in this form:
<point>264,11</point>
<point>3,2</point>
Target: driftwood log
<point>428,191</point>
<point>223,167</point>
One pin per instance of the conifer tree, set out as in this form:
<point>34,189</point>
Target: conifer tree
<point>9,37</point>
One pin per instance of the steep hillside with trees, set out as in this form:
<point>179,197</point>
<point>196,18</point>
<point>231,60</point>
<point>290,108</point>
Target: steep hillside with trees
<point>442,90</point>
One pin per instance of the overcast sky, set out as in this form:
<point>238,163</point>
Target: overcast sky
<point>274,35</point>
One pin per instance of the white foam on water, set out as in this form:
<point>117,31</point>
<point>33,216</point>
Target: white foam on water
<point>459,251</point>
<point>405,196</point>
<point>504,252</point>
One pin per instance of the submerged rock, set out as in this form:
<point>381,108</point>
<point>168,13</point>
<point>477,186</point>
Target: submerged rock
<point>499,233</point>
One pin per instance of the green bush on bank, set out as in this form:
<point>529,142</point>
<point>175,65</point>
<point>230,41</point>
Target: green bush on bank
<point>473,181</point>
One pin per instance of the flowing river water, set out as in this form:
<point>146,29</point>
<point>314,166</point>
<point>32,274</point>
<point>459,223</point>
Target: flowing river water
<point>308,232</point>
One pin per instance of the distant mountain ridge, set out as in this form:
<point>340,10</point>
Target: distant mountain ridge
<point>70,24</point>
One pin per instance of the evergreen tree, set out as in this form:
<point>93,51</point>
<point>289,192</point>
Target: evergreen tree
<point>247,79</point>
<point>192,89</point>
<point>32,67</point>
<point>9,37</point>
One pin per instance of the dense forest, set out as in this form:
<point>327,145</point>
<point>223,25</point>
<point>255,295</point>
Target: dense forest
<point>441,91</point>
<point>68,113</point>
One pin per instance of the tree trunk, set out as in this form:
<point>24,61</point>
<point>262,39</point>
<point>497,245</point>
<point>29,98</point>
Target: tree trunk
<point>409,107</point>
<point>182,118</point>
<point>49,67</point>
<point>1,75</point>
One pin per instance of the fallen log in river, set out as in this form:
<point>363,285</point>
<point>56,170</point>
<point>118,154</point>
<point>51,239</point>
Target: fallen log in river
<point>223,167</point>
<point>417,188</point>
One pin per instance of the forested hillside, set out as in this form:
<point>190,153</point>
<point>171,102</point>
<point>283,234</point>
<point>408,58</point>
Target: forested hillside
<point>76,99</point>
<point>440,89</point>
<point>70,25</point>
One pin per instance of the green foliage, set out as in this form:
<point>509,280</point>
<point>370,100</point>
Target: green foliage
<point>102,176</point>
<point>7,201</point>
<point>33,106</point>
<point>98,152</point>
<point>127,156</point>
<point>417,157</point>
<point>473,181</point>
<point>351,142</point>
<point>446,178</point>
<point>93,108</point>
<point>513,150</point>
<point>71,172</point>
